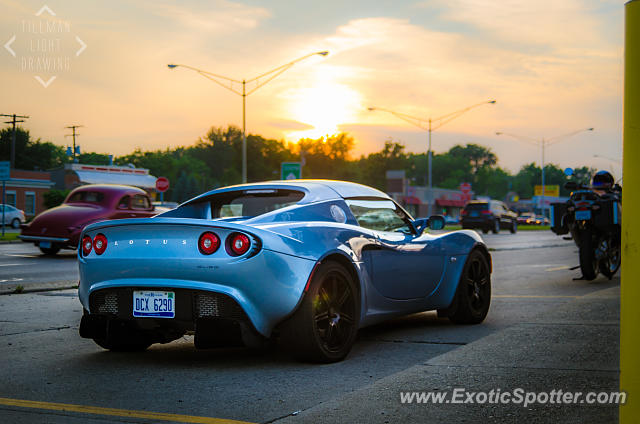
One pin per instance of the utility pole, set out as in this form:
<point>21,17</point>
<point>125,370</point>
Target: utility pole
<point>13,136</point>
<point>73,152</point>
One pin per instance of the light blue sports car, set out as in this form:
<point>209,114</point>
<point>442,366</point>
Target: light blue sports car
<point>305,262</point>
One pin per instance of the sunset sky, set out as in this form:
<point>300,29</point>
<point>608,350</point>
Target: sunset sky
<point>553,66</point>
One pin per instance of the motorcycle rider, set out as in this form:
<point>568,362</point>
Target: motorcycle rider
<point>603,183</point>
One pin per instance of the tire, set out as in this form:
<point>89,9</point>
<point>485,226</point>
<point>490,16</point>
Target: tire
<point>15,223</point>
<point>473,295</point>
<point>588,264</point>
<point>610,265</point>
<point>116,346</point>
<point>496,226</point>
<point>50,250</point>
<point>485,230</point>
<point>514,227</point>
<point>324,327</point>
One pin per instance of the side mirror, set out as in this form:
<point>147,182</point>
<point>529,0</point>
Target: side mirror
<point>571,185</point>
<point>436,222</point>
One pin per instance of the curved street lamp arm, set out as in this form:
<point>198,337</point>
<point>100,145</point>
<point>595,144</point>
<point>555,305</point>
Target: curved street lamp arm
<point>270,75</point>
<point>418,122</point>
<point>213,77</point>
<point>453,115</point>
<point>522,138</point>
<point>562,137</point>
<point>425,123</point>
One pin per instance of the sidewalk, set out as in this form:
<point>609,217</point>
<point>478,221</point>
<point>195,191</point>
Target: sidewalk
<point>575,348</point>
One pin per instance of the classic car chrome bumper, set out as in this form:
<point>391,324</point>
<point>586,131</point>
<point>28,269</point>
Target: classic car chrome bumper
<point>42,238</point>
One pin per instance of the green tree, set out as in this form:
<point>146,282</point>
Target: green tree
<point>94,158</point>
<point>373,168</point>
<point>30,154</point>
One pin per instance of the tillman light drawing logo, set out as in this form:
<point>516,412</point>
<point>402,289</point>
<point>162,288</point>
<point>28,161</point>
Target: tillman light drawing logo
<point>44,46</point>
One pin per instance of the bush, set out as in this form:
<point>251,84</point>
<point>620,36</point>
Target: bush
<point>53,198</point>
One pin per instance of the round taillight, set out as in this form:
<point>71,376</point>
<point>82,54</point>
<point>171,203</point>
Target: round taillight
<point>100,244</point>
<point>239,244</point>
<point>208,243</point>
<point>87,245</point>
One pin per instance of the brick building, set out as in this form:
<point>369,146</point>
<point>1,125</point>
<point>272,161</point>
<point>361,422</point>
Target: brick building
<point>25,190</point>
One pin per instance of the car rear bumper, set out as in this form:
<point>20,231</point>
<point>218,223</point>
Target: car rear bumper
<point>32,239</point>
<point>476,222</point>
<point>266,288</point>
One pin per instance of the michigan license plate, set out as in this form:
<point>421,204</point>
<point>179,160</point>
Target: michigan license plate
<point>583,215</point>
<point>154,304</point>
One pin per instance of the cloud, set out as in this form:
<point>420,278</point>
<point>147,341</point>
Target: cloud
<point>222,16</point>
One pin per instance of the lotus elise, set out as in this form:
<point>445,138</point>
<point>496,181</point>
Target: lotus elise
<point>304,262</point>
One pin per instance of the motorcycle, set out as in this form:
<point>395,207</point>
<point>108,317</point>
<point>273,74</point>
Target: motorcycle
<point>593,218</point>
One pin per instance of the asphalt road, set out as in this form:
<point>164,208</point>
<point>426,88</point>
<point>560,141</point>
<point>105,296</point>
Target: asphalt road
<point>45,360</point>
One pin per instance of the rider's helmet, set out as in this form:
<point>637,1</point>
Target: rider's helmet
<point>603,180</point>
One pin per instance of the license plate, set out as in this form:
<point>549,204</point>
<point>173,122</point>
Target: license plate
<point>583,215</point>
<point>154,304</point>
<point>45,244</point>
<point>474,214</point>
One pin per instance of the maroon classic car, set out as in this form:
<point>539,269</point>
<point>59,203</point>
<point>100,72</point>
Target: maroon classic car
<point>60,227</point>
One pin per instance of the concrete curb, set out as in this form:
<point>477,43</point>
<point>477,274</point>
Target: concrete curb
<point>14,287</point>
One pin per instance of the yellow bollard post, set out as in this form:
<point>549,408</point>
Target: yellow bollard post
<point>630,286</point>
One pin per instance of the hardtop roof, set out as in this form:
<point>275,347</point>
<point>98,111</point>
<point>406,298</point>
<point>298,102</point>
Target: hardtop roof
<point>316,190</point>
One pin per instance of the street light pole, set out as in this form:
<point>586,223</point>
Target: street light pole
<point>266,77</point>
<point>543,143</point>
<point>430,127</point>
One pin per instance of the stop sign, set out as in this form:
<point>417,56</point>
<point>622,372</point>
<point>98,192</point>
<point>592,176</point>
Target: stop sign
<point>162,184</point>
<point>465,188</point>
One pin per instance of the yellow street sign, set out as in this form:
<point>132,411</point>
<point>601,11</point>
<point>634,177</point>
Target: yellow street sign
<point>549,190</point>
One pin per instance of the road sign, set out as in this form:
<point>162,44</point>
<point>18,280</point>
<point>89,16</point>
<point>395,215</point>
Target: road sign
<point>4,170</point>
<point>465,188</point>
<point>162,184</point>
<point>290,171</point>
<point>549,190</point>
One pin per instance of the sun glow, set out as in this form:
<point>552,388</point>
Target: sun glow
<point>324,106</point>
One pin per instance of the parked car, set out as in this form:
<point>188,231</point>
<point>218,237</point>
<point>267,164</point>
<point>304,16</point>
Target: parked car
<point>542,220</point>
<point>60,227</point>
<point>530,218</point>
<point>306,262</point>
<point>492,215</point>
<point>12,215</point>
<point>526,217</point>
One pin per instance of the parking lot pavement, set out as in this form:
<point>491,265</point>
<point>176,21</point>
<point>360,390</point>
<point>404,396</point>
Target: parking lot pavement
<point>574,348</point>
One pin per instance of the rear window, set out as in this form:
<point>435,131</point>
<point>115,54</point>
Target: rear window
<point>249,203</point>
<point>477,206</point>
<point>86,197</point>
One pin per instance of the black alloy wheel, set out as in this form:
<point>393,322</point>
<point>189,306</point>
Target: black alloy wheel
<point>324,327</point>
<point>473,296</point>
